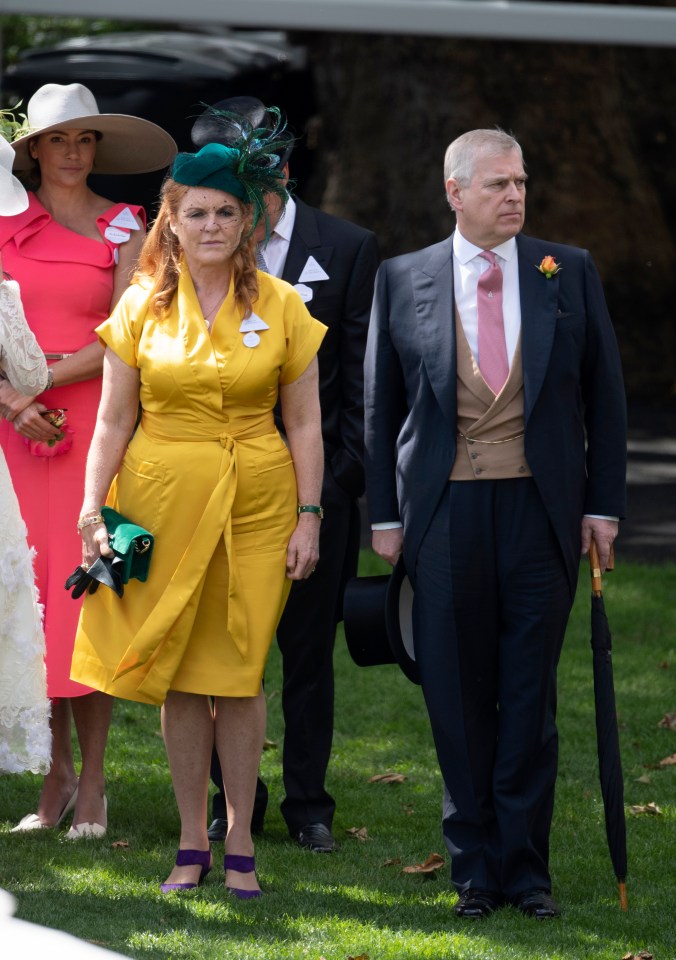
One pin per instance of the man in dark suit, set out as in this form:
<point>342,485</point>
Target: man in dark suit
<point>495,450</point>
<point>332,264</point>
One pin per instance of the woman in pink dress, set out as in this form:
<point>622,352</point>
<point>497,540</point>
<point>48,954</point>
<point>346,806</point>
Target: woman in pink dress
<point>73,253</point>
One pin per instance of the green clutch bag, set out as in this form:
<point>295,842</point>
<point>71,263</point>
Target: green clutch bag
<point>133,545</point>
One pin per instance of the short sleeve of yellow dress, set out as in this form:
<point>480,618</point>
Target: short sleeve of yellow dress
<point>209,474</point>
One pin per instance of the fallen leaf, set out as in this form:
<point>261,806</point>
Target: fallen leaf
<point>668,761</point>
<point>668,721</point>
<point>434,862</point>
<point>664,665</point>
<point>640,808</point>
<point>362,956</point>
<point>269,744</point>
<point>359,833</point>
<point>387,778</point>
<point>641,955</point>
<point>644,779</point>
<point>392,862</point>
<point>408,809</point>
<point>119,844</point>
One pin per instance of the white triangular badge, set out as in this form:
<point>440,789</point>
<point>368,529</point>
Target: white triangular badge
<point>254,322</point>
<point>125,219</point>
<point>312,271</point>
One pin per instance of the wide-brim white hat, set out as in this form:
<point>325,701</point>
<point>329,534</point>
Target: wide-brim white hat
<point>13,197</point>
<point>127,145</point>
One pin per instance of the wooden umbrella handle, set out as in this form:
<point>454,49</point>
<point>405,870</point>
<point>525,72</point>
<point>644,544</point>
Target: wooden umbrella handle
<point>595,566</point>
<point>595,569</point>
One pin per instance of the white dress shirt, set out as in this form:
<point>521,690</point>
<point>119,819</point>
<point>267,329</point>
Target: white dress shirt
<point>276,249</point>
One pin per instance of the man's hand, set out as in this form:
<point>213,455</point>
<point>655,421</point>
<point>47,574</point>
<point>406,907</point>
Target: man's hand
<point>388,543</point>
<point>603,532</point>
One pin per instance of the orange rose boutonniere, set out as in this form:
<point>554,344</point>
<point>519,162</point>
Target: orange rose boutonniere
<point>549,267</point>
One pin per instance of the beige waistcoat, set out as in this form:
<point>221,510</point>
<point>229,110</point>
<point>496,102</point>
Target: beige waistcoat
<point>490,428</point>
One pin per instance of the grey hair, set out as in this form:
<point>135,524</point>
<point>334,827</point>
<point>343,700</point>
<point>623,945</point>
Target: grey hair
<point>462,154</point>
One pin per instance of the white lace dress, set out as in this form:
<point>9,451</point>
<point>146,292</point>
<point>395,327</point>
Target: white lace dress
<point>25,740</point>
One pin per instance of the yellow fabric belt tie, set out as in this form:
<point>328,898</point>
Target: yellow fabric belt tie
<point>157,649</point>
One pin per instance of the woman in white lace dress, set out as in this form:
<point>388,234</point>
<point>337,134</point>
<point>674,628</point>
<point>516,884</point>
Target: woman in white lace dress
<point>25,740</point>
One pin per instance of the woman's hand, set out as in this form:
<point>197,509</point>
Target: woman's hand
<point>94,544</point>
<point>302,553</point>
<point>12,403</point>
<point>30,423</point>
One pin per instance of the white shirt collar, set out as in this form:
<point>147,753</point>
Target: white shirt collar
<point>464,251</point>
<point>284,226</point>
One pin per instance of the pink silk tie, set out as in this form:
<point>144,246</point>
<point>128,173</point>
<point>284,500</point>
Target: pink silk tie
<point>492,348</point>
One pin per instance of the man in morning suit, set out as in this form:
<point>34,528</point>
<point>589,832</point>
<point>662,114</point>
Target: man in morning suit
<point>495,442</point>
<point>332,264</point>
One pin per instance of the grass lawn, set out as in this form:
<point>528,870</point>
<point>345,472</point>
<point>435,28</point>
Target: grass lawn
<point>351,903</point>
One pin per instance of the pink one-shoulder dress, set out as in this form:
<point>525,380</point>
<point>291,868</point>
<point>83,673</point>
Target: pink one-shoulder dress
<point>66,285</point>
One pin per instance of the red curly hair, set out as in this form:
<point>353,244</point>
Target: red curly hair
<point>160,257</point>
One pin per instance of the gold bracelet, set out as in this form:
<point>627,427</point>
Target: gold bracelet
<point>88,514</point>
<point>89,521</point>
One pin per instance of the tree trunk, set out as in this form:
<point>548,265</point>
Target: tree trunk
<point>597,126</point>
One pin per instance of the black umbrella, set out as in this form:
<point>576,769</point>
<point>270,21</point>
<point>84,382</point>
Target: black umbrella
<point>607,739</point>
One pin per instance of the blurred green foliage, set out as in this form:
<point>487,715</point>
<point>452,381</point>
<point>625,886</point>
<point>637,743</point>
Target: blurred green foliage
<point>19,33</point>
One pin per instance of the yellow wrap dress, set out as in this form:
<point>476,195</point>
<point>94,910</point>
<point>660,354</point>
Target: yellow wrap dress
<point>208,473</point>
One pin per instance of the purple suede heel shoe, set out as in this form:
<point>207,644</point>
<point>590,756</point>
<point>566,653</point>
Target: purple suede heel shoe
<point>232,861</point>
<point>190,858</point>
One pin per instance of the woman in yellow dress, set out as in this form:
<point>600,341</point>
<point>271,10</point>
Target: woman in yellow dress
<point>207,343</point>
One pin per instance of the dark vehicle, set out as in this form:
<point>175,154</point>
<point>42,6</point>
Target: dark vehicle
<point>168,77</point>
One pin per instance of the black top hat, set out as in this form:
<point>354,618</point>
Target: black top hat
<point>378,618</point>
<point>218,125</point>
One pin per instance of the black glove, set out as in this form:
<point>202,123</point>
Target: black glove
<point>102,571</point>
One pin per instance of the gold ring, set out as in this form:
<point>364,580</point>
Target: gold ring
<point>84,565</point>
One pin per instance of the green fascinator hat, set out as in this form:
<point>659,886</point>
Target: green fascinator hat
<point>213,166</point>
<point>249,167</point>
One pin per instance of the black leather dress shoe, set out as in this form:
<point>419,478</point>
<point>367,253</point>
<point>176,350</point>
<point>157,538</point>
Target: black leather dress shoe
<point>538,904</point>
<point>316,837</point>
<point>218,827</point>
<point>476,904</point>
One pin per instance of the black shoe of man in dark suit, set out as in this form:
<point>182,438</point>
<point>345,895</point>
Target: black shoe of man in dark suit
<point>218,827</point>
<point>475,904</point>
<point>538,904</point>
<point>317,837</point>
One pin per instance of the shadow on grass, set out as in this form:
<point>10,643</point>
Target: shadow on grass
<point>416,914</point>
